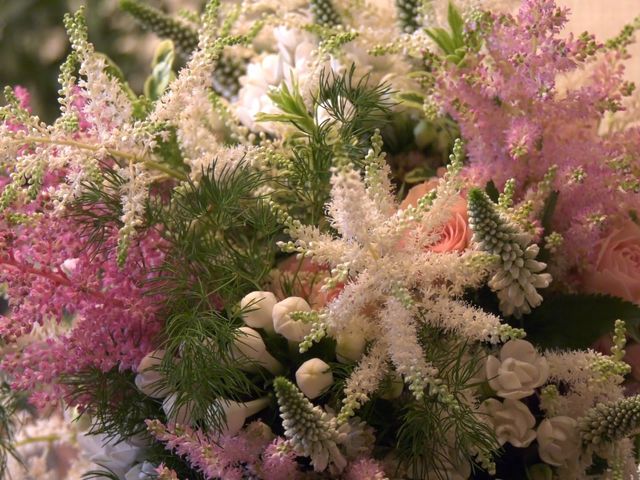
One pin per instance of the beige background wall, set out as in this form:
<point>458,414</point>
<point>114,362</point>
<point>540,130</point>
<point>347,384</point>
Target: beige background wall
<point>605,18</point>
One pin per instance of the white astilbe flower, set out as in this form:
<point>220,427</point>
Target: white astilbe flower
<point>390,276</point>
<point>365,380</point>
<point>587,383</point>
<point>405,352</point>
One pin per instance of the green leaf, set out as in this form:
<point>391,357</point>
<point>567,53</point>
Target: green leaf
<point>442,38</point>
<point>411,99</point>
<point>577,321</point>
<point>162,74</point>
<point>492,191</point>
<point>549,208</point>
<point>456,23</point>
<point>419,174</point>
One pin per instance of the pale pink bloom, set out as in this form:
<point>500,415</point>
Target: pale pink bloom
<point>455,235</point>
<point>617,268</point>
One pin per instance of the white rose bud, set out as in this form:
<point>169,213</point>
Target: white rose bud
<point>511,420</point>
<point>237,413</point>
<point>518,371</point>
<point>258,307</point>
<point>558,440</point>
<point>350,347</point>
<point>250,350</point>
<point>180,415</point>
<point>314,377</point>
<point>148,377</point>
<point>292,330</point>
<point>69,266</point>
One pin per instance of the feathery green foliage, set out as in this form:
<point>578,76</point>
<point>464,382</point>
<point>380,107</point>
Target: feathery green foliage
<point>116,406</point>
<point>222,246</point>
<point>425,423</point>
<point>354,110</point>
<point>9,404</point>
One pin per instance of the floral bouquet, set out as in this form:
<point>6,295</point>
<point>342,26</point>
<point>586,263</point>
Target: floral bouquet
<point>317,246</point>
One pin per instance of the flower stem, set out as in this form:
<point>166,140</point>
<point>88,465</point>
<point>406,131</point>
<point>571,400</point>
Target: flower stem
<point>116,153</point>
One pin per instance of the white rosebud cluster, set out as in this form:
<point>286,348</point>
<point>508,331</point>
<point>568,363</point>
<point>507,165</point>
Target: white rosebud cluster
<point>149,379</point>
<point>511,420</point>
<point>518,371</point>
<point>236,413</point>
<point>558,440</point>
<point>519,276</point>
<point>250,350</point>
<point>314,377</point>
<point>262,310</point>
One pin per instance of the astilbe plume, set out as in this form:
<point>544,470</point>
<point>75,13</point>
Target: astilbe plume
<point>250,452</point>
<point>51,275</point>
<point>519,124</point>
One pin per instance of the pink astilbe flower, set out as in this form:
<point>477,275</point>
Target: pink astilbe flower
<point>279,462</point>
<point>52,277</point>
<point>518,124</point>
<point>250,453</point>
<point>165,473</point>
<point>364,469</point>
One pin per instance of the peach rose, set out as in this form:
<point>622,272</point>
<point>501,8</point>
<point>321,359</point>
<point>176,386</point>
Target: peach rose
<point>455,234</point>
<point>305,280</point>
<point>617,269</point>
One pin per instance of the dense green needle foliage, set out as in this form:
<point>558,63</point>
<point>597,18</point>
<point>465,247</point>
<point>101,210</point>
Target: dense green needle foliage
<point>353,109</point>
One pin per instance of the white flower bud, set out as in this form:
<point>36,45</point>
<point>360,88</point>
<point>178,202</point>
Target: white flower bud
<point>518,371</point>
<point>250,350</point>
<point>393,386</point>
<point>292,330</point>
<point>314,377</point>
<point>237,413</point>
<point>558,440</point>
<point>69,266</point>
<point>258,307</point>
<point>350,347</point>
<point>511,420</point>
<point>180,415</point>
<point>148,378</point>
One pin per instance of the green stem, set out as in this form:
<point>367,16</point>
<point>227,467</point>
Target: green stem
<point>116,153</point>
<point>43,438</point>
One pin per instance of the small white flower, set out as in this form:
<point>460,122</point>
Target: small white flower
<point>314,377</point>
<point>518,371</point>
<point>69,266</point>
<point>141,471</point>
<point>148,378</point>
<point>558,440</point>
<point>180,415</point>
<point>283,324</point>
<point>111,453</point>
<point>258,307</point>
<point>250,346</point>
<point>350,347</point>
<point>237,413</point>
<point>511,420</point>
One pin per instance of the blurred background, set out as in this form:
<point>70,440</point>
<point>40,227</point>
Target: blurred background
<point>33,42</point>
